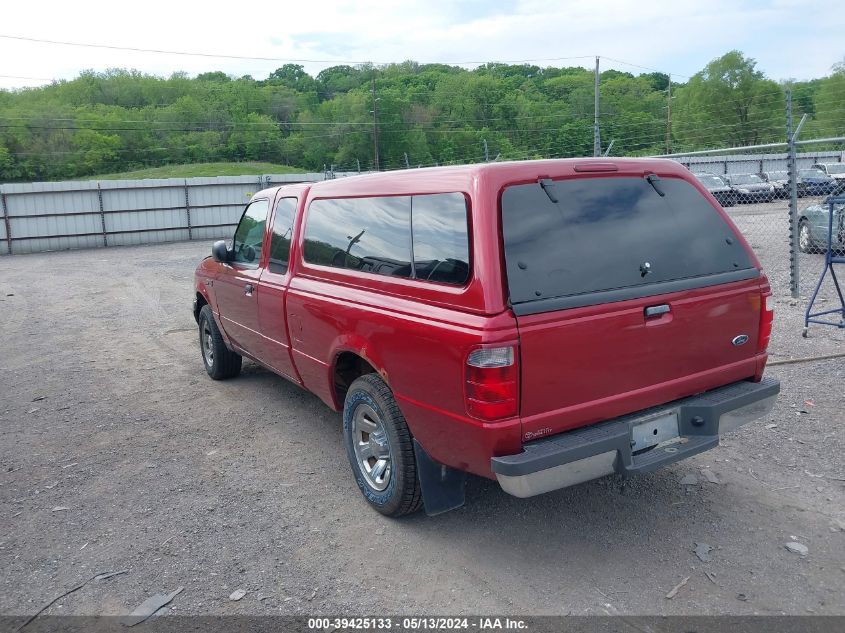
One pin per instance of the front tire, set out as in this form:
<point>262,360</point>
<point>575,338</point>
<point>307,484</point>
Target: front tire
<point>805,238</point>
<point>219,361</point>
<point>380,448</point>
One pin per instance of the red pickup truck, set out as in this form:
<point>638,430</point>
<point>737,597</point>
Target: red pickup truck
<point>542,323</point>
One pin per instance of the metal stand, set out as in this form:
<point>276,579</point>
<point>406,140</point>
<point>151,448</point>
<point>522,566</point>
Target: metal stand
<point>830,259</point>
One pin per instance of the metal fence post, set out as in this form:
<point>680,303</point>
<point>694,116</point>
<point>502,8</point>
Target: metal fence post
<point>794,285</point>
<point>7,223</point>
<point>102,215</point>
<point>792,166</point>
<point>188,211</point>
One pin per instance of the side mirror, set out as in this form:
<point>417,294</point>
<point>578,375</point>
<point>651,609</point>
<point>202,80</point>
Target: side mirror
<point>219,251</point>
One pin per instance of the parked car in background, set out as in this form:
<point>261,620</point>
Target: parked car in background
<point>718,188</point>
<point>813,226</point>
<point>540,323</point>
<point>779,180</point>
<point>750,188</point>
<point>815,182</point>
<point>835,171</point>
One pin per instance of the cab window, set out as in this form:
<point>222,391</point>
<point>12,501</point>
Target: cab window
<point>281,235</point>
<point>249,235</point>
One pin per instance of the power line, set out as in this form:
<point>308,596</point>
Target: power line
<point>171,52</point>
<point>314,60</point>
<point>22,77</point>
<point>268,59</point>
<point>655,70</point>
<point>211,126</point>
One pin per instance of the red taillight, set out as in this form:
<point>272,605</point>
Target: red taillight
<point>492,385</point>
<point>767,317</point>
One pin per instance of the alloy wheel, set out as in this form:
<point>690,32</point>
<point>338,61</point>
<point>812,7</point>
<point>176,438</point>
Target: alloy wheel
<point>372,448</point>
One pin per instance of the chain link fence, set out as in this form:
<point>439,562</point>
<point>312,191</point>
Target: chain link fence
<point>819,238</point>
<point>778,199</point>
<point>753,188</point>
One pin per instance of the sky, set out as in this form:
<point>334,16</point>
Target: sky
<point>789,39</point>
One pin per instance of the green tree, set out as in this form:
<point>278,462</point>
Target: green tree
<point>122,119</point>
<point>729,103</point>
<point>339,79</point>
<point>216,75</point>
<point>293,76</point>
<point>828,104</point>
<point>6,164</point>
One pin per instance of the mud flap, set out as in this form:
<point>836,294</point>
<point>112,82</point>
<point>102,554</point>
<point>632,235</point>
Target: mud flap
<point>442,487</point>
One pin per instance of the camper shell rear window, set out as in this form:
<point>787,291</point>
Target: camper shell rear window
<point>590,240</point>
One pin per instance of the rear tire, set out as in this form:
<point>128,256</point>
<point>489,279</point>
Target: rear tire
<point>219,361</point>
<point>380,448</point>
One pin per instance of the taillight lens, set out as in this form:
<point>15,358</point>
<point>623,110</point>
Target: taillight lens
<point>767,317</point>
<point>492,385</point>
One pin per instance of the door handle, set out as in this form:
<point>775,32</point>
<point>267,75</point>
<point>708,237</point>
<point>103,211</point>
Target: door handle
<point>248,289</point>
<point>653,311</point>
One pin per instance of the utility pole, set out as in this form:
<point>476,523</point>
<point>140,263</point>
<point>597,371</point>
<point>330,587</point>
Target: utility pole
<point>375,123</point>
<point>596,133</point>
<point>486,152</point>
<point>669,118</point>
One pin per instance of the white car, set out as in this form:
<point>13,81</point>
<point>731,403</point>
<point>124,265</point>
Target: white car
<point>834,170</point>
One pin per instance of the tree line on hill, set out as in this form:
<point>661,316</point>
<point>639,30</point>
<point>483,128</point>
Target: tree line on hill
<point>425,114</point>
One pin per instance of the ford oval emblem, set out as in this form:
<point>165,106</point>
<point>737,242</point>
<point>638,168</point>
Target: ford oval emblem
<point>742,339</point>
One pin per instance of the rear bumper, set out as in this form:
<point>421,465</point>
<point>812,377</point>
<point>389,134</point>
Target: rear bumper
<point>601,449</point>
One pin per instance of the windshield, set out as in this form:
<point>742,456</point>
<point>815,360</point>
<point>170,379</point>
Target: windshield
<point>709,180</point>
<point>746,179</point>
<point>777,175</point>
<point>609,233</point>
<point>836,169</point>
<point>812,173</point>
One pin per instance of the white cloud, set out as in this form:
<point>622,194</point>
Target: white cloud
<point>678,37</point>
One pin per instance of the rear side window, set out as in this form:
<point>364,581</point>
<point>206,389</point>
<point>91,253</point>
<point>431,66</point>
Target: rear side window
<point>612,234</point>
<point>416,237</point>
<point>368,234</point>
<point>441,238</point>
<point>280,237</point>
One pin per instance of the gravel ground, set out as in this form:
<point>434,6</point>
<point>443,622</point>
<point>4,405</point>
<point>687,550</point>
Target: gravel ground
<point>118,452</point>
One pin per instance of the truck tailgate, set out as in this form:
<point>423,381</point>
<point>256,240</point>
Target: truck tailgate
<point>587,364</point>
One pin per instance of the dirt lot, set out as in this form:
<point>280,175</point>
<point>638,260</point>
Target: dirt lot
<point>118,452</point>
